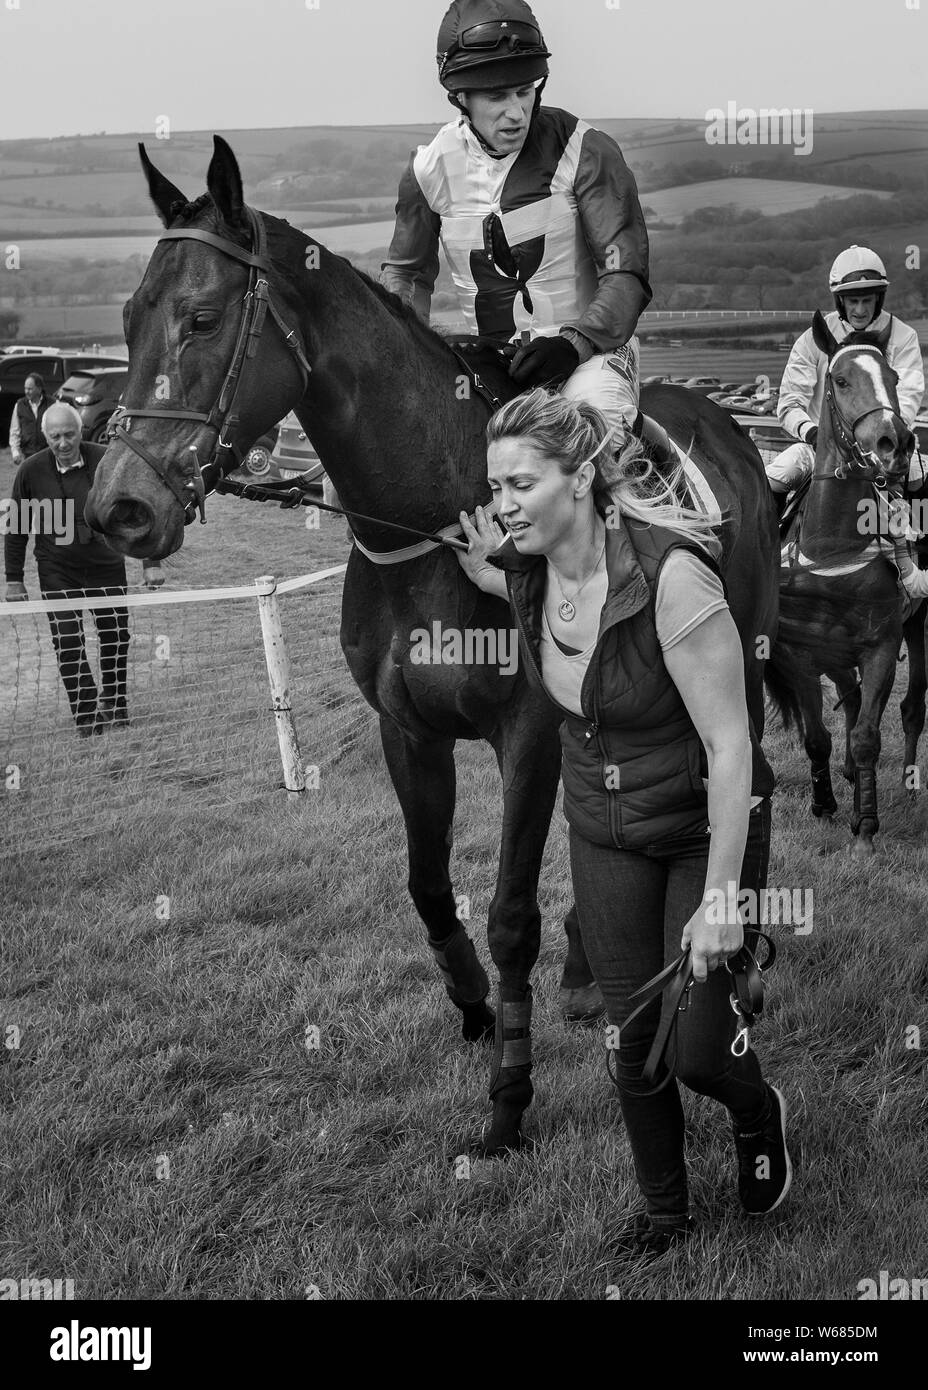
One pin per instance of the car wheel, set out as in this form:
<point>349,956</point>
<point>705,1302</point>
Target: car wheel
<point>99,435</point>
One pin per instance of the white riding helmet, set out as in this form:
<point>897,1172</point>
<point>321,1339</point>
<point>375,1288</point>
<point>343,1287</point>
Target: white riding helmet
<point>858,268</point>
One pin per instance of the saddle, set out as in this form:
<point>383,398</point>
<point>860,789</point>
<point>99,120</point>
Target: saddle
<point>477,351</point>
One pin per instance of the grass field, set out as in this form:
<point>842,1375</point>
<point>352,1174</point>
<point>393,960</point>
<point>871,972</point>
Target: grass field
<point>768,196</point>
<point>170,1129</point>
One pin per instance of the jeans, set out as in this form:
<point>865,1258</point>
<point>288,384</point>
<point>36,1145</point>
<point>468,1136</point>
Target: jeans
<point>633,906</point>
<point>71,651</point>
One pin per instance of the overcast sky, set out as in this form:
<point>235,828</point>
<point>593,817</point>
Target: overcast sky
<point>80,66</point>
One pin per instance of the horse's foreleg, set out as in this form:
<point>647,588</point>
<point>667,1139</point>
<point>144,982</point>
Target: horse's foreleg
<point>529,762</point>
<point>877,671</point>
<point>818,747</point>
<point>424,777</point>
<point>913,704</point>
<point>848,689</point>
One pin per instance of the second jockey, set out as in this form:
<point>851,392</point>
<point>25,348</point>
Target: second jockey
<point>859,284</point>
<point>537,213</point>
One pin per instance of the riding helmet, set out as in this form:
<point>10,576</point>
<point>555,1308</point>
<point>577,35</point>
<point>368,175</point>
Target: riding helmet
<point>858,268</point>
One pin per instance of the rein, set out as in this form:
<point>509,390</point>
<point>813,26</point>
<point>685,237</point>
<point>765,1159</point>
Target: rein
<point>746,1000</point>
<point>256,304</point>
<point>298,494</point>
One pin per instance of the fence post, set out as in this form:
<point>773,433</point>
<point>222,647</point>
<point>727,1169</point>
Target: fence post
<point>278,672</point>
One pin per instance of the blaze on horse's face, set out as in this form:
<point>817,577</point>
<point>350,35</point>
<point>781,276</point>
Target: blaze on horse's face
<point>864,387</point>
<point>181,326</point>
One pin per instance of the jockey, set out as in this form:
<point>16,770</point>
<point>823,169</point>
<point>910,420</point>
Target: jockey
<point>537,213</point>
<point>858,282</point>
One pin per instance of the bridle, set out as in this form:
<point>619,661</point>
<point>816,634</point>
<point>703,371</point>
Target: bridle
<point>844,433</point>
<point>221,418</point>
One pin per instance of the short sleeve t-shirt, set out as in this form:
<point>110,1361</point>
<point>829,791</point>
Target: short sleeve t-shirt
<point>687,594</point>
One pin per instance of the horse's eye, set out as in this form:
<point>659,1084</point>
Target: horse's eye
<point>205,322</point>
<point>841,381</point>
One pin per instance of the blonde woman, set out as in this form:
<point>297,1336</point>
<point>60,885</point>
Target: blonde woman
<point>623,620</point>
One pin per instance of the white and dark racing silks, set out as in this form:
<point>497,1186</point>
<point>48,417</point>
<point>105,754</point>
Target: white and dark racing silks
<point>551,236</point>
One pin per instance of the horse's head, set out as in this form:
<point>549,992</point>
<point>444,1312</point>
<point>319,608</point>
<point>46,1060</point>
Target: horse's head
<point>862,415</point>
<point>204,379</point>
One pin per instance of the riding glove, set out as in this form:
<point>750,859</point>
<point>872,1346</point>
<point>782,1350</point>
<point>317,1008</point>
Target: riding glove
<point>544,360</point>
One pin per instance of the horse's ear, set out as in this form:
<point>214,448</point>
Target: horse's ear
<point>224,182</point>
<point>822,334</point>
<point>166,197</point>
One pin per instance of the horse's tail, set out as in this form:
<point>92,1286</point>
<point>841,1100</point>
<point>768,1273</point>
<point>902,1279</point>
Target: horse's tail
<point>783,690</point>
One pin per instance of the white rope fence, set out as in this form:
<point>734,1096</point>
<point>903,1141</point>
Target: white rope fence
<point>233,695</point>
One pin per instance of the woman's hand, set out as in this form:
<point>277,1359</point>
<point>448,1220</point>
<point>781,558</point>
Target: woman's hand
<point>712,942</point>
<point>482,539</point>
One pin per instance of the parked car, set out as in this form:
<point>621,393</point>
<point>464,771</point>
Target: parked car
<point>292,456</point>
<point>734,402</point>
<point>703,384</point>
<point>95,393</point>
<point>54,369</point>
<point>765,405</point>
<point>655,380</point>
<point>24,350</point>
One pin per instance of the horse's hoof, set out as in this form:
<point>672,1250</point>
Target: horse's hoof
<point>502,1132</point>
<point>826,811</point>
<point>501,1137</point>
<point>863,848</point>
<point>502,1146</point>
<point>479,1023</point>
<point>584,1005</point>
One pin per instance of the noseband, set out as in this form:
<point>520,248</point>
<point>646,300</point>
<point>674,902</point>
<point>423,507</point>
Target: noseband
<point>221,418</point>
<point>845,435</point>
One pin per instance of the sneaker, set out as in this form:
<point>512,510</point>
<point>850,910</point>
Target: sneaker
<point>649,1238</point>
<point>764,1168</point>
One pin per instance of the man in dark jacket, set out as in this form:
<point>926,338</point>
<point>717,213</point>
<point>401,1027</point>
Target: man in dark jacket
<point>48,496</point>
<point>26,436</point>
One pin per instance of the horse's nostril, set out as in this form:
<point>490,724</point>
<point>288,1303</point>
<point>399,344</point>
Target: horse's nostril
<point>130,514</point>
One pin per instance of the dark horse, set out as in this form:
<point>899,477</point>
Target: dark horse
<point>400,432</point>
<point>840,605</point>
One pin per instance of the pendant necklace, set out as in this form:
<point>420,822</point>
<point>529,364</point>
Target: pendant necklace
<point>567,610</point>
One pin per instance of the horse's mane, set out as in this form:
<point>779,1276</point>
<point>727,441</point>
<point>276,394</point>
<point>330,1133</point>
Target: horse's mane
<point>484,352</point>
